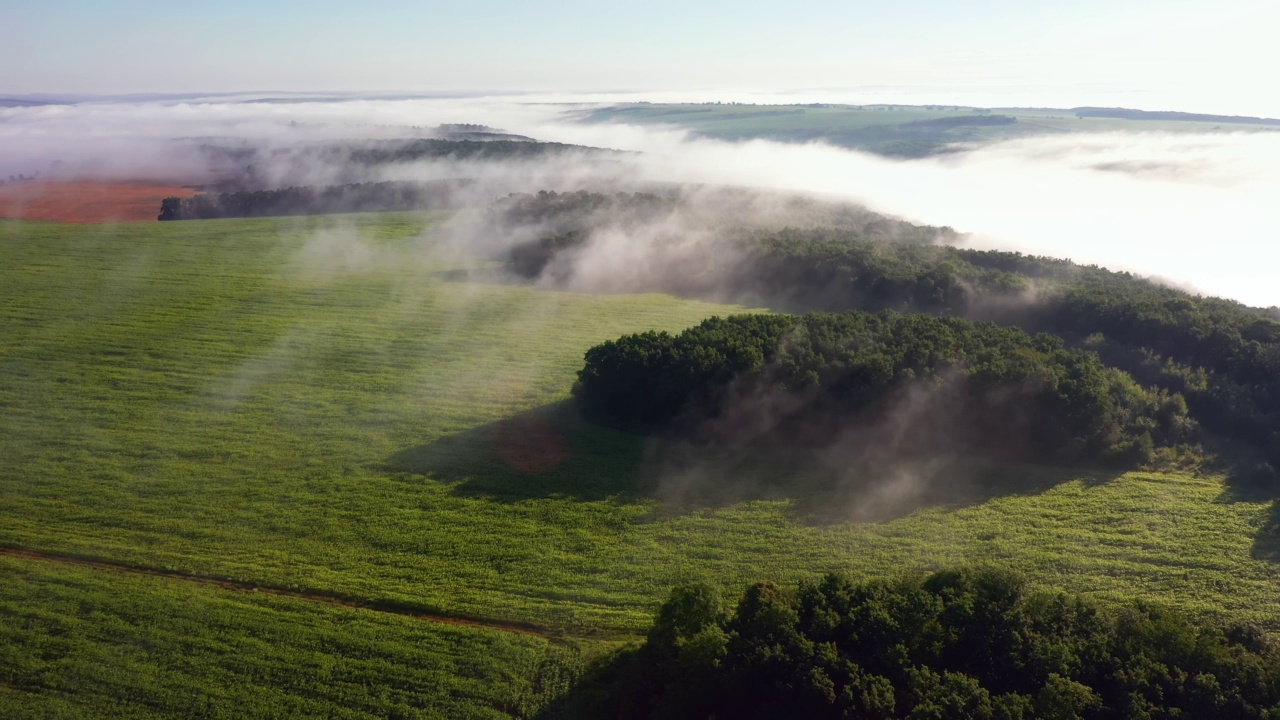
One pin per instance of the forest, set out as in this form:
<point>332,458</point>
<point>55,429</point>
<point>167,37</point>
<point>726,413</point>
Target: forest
<point>1222,356</point>
<point>1128,114</point>
<point>731,210</point>
<point>380,152</point>
<point>254,167</point>
<point>580,210</point>
<point>563,221</point>
<point>915,384</point>
<point>970,643</point>
<point>316,200</point>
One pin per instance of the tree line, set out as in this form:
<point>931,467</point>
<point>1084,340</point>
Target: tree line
<point>1128,114</point>
<point>948,123</point>
<point>257,167</point>
<point>565,221</point>
<point>560,212</point>
<point>969,643</point>
<point>316,200</point>
<point>21,178</point>
<point>383,152</point>
<point>728,209</point>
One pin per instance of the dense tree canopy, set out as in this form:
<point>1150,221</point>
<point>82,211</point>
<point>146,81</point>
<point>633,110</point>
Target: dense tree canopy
<point>928,383</point>
<point>580,210</point>
<point>382,152</point>
<point>562,222</point>
<point>255,166</point>
<point>1223,357</point>
<point>566,220</point>
<point>971,644</point>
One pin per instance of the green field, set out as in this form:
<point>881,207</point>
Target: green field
<point>320,405</point>
<point>93,644</point>
<point>880,128</point>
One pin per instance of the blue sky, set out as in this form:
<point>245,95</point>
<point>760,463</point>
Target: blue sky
<point>1218,49</point>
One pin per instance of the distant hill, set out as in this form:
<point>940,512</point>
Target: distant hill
<point>906,131</point>
<point>1127,114</point>
<point>479,133</point>
<point>17,102</point>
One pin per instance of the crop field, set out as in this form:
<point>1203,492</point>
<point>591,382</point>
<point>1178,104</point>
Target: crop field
<point>336,407</point>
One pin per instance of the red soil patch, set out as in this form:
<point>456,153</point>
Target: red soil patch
<point>85,202</point>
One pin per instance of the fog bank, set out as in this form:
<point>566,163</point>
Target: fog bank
<point>1197,210</point>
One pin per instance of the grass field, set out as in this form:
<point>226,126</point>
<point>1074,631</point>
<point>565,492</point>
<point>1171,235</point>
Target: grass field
<point>84,643</point>
<point>318,404</point>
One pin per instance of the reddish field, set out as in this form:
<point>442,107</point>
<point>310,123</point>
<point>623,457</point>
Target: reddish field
<point>85,202</point>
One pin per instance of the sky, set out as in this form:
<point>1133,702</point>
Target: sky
<point>1193,55</point>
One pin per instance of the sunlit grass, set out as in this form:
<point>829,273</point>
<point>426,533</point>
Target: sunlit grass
<point>88,643</point>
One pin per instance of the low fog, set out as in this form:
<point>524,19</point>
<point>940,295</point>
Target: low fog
<point>1195,210</point>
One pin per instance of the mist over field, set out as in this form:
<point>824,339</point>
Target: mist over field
<point>663,361</point>
<point>1195,210</point>
<point>653,361</point>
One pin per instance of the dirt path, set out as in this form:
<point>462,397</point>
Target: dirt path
<point>85,202</point>
<point>240,586</point>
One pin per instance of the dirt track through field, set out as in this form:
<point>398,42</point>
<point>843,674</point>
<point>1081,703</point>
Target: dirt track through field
<point>86,202</point>
<point>241,586</point>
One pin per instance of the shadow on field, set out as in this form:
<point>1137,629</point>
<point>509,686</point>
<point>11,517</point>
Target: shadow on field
<point>838,484</point>
<point>1250,476</point>
<point>1266,544</point>
<point>552,452</point>
<point>544,452</point>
